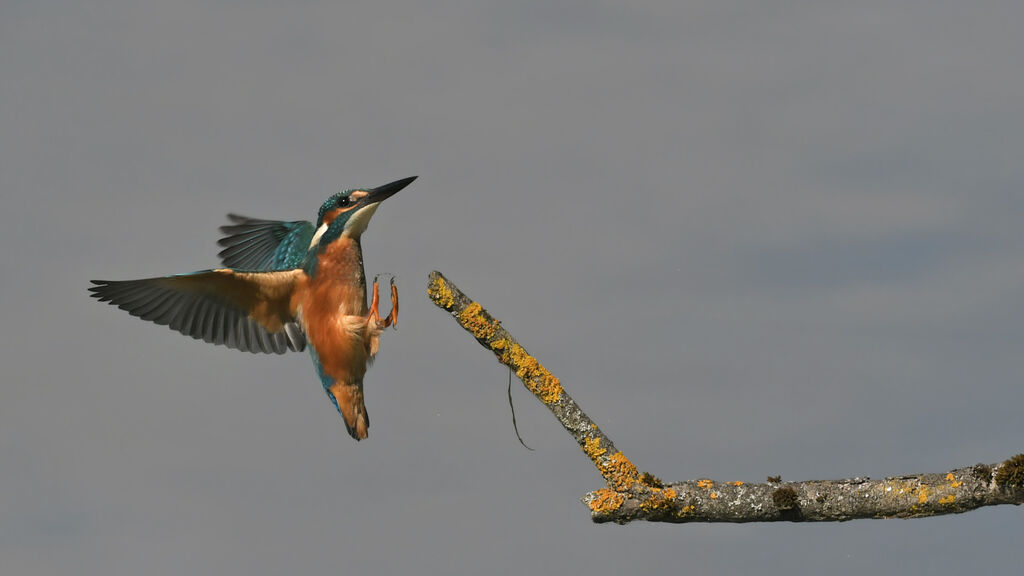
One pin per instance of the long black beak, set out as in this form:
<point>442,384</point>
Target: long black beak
<point>386,191</point>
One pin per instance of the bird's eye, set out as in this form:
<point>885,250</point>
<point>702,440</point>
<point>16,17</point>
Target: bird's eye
<point>344,201</point>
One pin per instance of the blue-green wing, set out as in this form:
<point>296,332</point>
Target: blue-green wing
<point>248,311</point>
<point>253,244</point>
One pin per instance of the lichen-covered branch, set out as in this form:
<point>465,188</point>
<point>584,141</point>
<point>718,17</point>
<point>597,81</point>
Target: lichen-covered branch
<point>631,495</point>
<point>913,496</point>
<point>619,473</point>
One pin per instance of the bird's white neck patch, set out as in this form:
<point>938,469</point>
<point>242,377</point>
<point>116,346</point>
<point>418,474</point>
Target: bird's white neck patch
<point>316,237</point>
<point>359,220</point>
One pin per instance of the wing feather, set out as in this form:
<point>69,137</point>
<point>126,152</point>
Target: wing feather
<point>248,311</point>
<point>254,244</point>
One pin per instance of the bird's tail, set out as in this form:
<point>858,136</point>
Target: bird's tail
<point>349,400</point>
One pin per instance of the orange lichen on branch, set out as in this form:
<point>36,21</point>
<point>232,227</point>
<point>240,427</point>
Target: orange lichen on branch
<point>898,487</point>
<point>605,500</point>
<point>923,492</point>
<point>471,318</point>
<point>534,375</point>
<point>439,292</point>
<point>619,472</point>
<point>660,500</point>
<point>911,496</point>
<point>592,448</point>
<point>621,476</point>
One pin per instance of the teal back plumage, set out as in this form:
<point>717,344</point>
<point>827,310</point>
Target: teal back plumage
<point>265,245</point>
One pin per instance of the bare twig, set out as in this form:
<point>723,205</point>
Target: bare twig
<point>631,495</point>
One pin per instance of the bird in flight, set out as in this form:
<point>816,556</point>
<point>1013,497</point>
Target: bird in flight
<point>284,286</point>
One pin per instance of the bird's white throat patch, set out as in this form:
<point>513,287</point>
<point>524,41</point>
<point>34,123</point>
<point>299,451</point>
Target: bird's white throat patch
<point>354,227</point>
<point>359,220</point>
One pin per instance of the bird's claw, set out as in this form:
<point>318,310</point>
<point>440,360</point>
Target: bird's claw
<point>392,317</point>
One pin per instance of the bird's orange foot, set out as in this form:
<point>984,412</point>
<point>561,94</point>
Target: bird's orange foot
<point>375,302</point>
<point>392,317</point>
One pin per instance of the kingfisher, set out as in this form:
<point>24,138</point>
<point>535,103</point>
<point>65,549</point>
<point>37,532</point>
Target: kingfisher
<point>285,285</point>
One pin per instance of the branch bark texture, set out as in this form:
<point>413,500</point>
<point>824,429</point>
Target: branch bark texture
<point>630,495</point>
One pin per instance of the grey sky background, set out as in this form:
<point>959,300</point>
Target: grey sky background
<point>751,238</point>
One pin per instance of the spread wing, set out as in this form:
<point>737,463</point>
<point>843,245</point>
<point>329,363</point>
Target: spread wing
<point>248,311</point>
<point>252,244</point>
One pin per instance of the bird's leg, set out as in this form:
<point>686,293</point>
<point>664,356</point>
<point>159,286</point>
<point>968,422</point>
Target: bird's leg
<point>375,302</point>
<point>392,317</point>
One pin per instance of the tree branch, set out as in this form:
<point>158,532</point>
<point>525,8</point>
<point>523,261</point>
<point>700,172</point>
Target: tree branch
<point>631,495</point>
<point>617,471</point>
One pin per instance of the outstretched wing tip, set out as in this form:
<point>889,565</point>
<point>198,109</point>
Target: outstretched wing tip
<point>200,310</point>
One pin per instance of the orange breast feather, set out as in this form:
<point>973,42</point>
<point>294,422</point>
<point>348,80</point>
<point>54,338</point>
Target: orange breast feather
<point>334,311</point>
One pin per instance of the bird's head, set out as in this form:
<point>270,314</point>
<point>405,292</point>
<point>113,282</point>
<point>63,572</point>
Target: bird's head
<point>347,213</point>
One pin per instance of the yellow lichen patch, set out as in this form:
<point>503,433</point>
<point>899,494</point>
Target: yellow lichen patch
<point>953,482</point>
<point>440,293</point>
<point>686,510</point>
<point>660,499</point>
<point>513,354</point>
<point>619,472</point>
<point>704,483</point>
<point>499,344</point>
<point>949,499</point>
<point>592,448</point>
<point>737,483</point>
<point>714,495</point>
<point>471,318</point>
<point>548,389</point>
<point>899,487</point>
<point>923,493</point>
<point>606,500</point>
<point>536,377</point>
